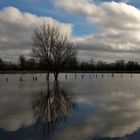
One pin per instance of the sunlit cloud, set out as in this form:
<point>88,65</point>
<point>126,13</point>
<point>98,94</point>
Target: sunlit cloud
<point>16,31</point>
<point>117,25</point>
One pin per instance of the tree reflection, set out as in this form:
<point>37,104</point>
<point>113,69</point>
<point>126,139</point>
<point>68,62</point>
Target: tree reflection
<point>52,107</point>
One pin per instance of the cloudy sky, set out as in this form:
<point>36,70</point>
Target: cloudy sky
<point>103,29</point>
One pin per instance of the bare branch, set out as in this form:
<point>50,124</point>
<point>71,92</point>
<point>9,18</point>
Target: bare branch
<point>54,47</point>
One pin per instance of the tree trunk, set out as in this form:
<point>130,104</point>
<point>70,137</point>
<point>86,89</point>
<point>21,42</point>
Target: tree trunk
<point>56,76</point>
<point>48,85</point>
<point>48,74</point>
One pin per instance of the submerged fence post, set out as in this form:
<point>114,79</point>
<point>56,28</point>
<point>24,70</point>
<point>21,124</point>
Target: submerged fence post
<point>6,79</point>
<point>20,79</point>
<point>90,76</point>
<point>36,78</point>
<point>81,76</point>
<point>66,76</point>
<point>112,75</point>
<point>75,76</point>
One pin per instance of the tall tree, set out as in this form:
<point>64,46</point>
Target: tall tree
<point>51,45</point>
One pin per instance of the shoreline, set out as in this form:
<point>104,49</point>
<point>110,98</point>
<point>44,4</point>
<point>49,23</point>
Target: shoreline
<point>76,71</point>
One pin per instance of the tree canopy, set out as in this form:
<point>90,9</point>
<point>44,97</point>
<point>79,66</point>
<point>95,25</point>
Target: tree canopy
<point>50,44</point>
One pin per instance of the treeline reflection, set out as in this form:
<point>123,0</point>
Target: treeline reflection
<point>52,106</point>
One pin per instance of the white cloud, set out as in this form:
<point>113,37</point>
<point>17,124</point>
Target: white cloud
<point>79,6</point>
<point>117,25</point>
<point>16,30</point>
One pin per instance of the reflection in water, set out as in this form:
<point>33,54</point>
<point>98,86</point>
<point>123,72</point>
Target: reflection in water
<point>52,106</point>
<point>107,109</point>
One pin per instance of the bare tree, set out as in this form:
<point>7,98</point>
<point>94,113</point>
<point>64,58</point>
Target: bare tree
<point>54,47</point>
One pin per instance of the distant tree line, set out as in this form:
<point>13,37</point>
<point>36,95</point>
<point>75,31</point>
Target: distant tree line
<point>33,64</point>
<point>119,65</point>
<point>54,52</point>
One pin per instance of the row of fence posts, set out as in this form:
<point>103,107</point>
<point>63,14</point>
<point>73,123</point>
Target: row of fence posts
<point>94,75</point>
<point>35,78</point>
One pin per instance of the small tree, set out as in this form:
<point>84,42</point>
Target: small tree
<point>92,64</point>
<point>22,62</point>
<point>51,45</point>
<point>32,64</point>
<point>2,64</point>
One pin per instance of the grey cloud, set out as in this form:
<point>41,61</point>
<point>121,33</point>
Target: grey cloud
<point>16,31</point>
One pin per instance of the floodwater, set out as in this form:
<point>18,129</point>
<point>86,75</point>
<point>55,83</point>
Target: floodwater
<point>77,107</point>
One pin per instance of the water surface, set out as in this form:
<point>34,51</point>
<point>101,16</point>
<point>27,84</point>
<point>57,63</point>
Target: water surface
<point>78,107</point>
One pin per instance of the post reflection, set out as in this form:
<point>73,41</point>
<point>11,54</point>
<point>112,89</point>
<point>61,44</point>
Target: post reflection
<point>52,107</point>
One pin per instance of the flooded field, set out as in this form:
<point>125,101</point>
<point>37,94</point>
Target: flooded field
<point>77,107</point>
